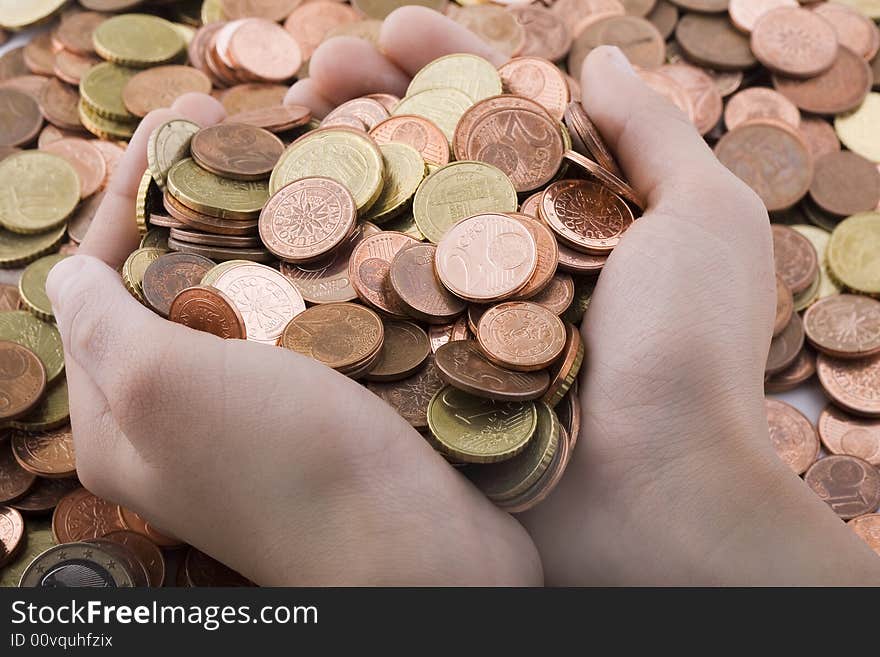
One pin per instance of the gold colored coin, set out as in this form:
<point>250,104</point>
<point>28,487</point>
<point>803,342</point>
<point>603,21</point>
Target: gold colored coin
<point>205,192</point>
<point>168,145</point>
<point>473,429</point>
<point>18,250</point>
<point>39,539</point>
<point>101,90</point>
<point>819,238</point>
<point>40,337</point>
<point>134,268</point>
<point>404,172</point>
<point>38,192</point>
<point>32,286</point>
<point>460,190</point>
<point>347,156</point>
<point>472,75</point>
<point>52,412</point>
<point>212,11</point>
<point>405,223</point>
<point>141,200</point>
<point>854,252</point>
<point>216,272</point>
<point>859,130</point>
<point>138,40</point>
<point>103,127</point>
<point>583,294</point>
<point>870,8</point>
<point>443,106</point>
<point>156,238</point>
<point>19,14</point>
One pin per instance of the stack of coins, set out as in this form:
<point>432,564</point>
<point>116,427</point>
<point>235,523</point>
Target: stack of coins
<point>447,260</point>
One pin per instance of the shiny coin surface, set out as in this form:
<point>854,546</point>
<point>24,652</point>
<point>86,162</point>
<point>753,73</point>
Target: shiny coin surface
<point>850,486</point>
<point>48,454</point>
<point>11,534</point>
<point>521,335</point>
<point>792,435</point>
<point>413,277</point>
<point>369,270</point>
<point>851,384</point>
<point>797,262</point>
<point>22,380</point>
<point>168,275</point>
<point>461,364</point>
<point>410,397</point>
<point>586,215</point>
<point>207,309</point>
<point>237,151</point>
<point>81,515</point>
<point>78,565</point>
<point>844,326</point>
<point>405,347</point>
<point>842,433</point>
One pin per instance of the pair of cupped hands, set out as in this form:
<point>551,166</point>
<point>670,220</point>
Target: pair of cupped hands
<point>294,475</point>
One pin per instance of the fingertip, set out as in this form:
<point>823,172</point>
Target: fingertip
<point>346,67</point>
<point>200,108</point>
<point>64,276</point>
<point>305,92</point>
<point>604,61</point>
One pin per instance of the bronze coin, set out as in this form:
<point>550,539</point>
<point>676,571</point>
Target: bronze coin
<point>159,87</point>
<point>786,346</point>
<point>12,64</point>
<point>59,103</point>
<point>202,570</point>
<point>207,223</point>
<point>867,527</point>
<point>20,118</point>
<point>75,31</point>
<point>11,534</point>
<point>849,485</point>
<point>669,88</point>
<point>87,161</point>
<point>71,68</point>
<point>587,216</point>
<point>15,481</point>
<point>146,552</point>
<point>605,177</point>
<point>796,260</point>
<point>784,306</point>
<point>845,183</point>
<point>803,367</point>
<point>9,298</point>
<point>842,433</point>
<point>538,79</point>
<point>858,32</point>
<point>705,98</point>
<point>745,13</point>
<point>820,137</point>
<point>774,161</point>
<point>558,295</point>
<point>273,119</point>
<point>413,278</point>
<point>205,308</point>
<point>851,384</point>
<point>221,252</point>
<point>273,10</point>
<point>237,151</point>
<point>48,454</point>
<point>207,239</point>
<point>307,219</point>
<point>368,111</point>
<point>136,523</point>
<point>264,51</point>
<point>252,96</point>
<point>79,223</point>
<point>416,131</point>
<point>44,495</point>
<point>795,42</point>
<point>369,271</point>
<point>547,34</point>
<point>461,364</point>
<point>563,373</point>
<point>840,89</point>
<point>404,348</point>
<point>548,256</point>
<point>166,276</point>
<point>327,280</point>
<point>844,326</point>
<point>576,262</point>
<point>521,336</point>
<point>712,41</point>
<point>792,435</point>
<point>32,85</point>
<point>756,103</point>
<point>22,380</point>
<point>583,131</point>
<point>637,38</point>
<point>411,396</point>
<point>39,54</point>
<point>81,515</point>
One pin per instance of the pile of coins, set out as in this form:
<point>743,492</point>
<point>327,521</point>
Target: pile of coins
<point>442,247</point>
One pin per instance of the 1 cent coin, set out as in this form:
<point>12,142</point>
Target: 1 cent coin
<point>849,485</point>
<point>81,515</point>
<point>404,348</point>
<point>167,276</point>
<point>521,335</point>
<point>15,481</point>
<point>803,367</point>
<point>795,42</point>
<point>796,260</point>
<point>22,380</point>
<point>852,384</point>
<point>844,326</point>
<point>785,347</point>
<point>842,433</point>
<point>586,215</point>
<point>461,364</point>
<point>792,435</point>
<point>413,278</point>
<point>411,396</point>
<point>205,308</point>
<point>47,454</point>
<point>11,534</point>
<point>756,103</point>
<point>20,118</point>
<point>416,131</point>
<point>369,270</point>
<point>845,183</point>
<point>840,89</point>
<point>237,151</point>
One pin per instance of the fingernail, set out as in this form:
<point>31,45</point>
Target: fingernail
<point>619,61</point>
<point>61,278</point>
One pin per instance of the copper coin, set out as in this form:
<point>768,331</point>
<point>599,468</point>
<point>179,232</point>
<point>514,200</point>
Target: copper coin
<point>669,88</point>
<point>205,222</point>
<point>202,570</point>
<point>159,87</point>
<point>558,295</point>
<point>784,306</point>
<point>327,280</point>
<point>12,64</point>
<point>794,42</point>
<point>15,481</point>
<point>867,527</point>
<point>547,252</point>
<point>844,325</point>
<point>583,130</point>
<point>207,309</point>
<point>840,89</point>
<point>587,216</point>
<point>774,161</point>
<point>404,348</point>
<point>529,154</point>
<point>208,239</point>
<point>44,495</point>
<point>849,485</point>
<point>855,30</point>
<point>307,219</point>
<point>48,454</point>
<point>75,31</point>
<point>745,13</point>
<point>50,133</point>
<point>168,275</point>
<point>266,51</point>
<point>345,121</point>
<point>461,364</point>
<point>22,380</point>
<point>147,553</point>
<point>87,160</point>
<point>273,10</point>
<point>237,151</point>
<point>253,96</point>
<point>32,85</point>
<point>803,367</point>
<point>820,137</point>
<point>712,41</point>
<point>79,222</point>
<point>705,99</point>
<point>59,103</point>
<point>414,280</point>
<point>369,270</point>
<point>368,111</point>
<point>11,534</point>
<point>757,103</point>
<point>521,335</point>
<point>785,347</point>
<point>416,131</point>
<point>81,515</point>
<point>9,298</point>
<point>339,335</point>
<point>411,396</point>
<point>563,373</point>
<point>539,80</point>
<point>852,384</point>
<point>39,54</point>
<point>71,68</point>
<point>842,433</point>
<point>637,38</point>
<point>546,34</point>
<point>796,260</point>
<point>20,118</point>
<point>845,183</point>
<point>135,522</point>
<point>274,119</point>
<point>541,489</point>
<point>486,257</point>
<point>310,22</point>
<point>439,335</point>
<point>792,435</point>
<point>605,177</point>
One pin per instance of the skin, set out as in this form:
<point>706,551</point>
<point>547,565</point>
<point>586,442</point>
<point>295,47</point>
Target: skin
<point>231,445</point>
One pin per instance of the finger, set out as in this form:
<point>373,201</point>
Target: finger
<point>113,233</point>
<point>414,36</point>
<point>655,143</point>
<point>305,92</point>
<point>343,68</point>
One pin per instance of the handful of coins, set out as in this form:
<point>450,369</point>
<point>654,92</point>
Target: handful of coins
<point>441,248</point>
